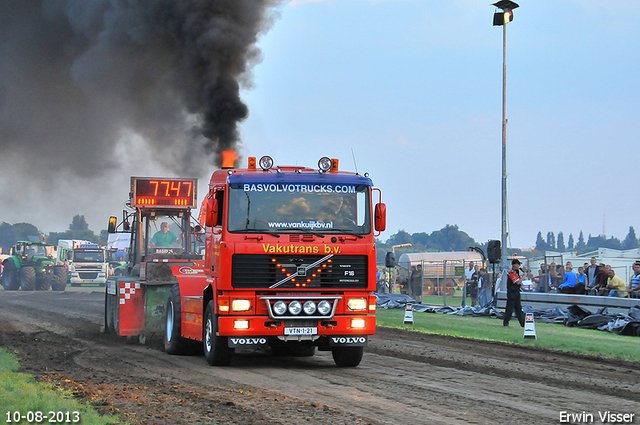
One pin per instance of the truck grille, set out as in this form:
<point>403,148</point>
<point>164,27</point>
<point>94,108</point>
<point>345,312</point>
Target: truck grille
<point>299,271</point>
<point>88,275</point>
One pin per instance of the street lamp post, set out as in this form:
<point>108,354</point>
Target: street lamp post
<point>502,19</point>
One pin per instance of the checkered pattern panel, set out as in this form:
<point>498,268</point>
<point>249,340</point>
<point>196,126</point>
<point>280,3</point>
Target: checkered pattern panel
<point>127,289</point>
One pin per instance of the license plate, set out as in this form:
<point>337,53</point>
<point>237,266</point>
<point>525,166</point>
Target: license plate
<point>301,331</point>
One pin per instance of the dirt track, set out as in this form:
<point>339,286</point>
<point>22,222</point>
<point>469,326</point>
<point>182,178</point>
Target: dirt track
<point>404,378</point>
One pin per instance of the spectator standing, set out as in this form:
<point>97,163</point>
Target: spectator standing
<point>384,281</point>
<point>554,277</point>
<point>484,288</point>
<point>542,279</point>
<point>471,283</point>
<point>416,283</point>
<point>634,284</point>
<point>378,275</point>
<point>514,280</point>
<point>592,273</point>
<point>468,273</point>
<point>473,289</point>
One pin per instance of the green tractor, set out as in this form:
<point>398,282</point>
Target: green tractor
<point>31,266</point>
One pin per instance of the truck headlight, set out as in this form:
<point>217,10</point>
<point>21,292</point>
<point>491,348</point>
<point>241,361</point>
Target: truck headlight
<point>324,307</point>
<point>280,308</point>
<point>295,307</point>
<point>309,307</point>
<point>240,305</point>
<point>357,304</point>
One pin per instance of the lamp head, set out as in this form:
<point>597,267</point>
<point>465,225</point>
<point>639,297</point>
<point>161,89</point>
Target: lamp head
<point>506,16</point>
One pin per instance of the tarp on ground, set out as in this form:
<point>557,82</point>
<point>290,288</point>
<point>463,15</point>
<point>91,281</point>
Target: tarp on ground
<point>621,324</point>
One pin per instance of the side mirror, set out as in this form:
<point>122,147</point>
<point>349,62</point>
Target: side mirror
<point>113,221</point>
<point>212,212</point>
<point>381,217</point>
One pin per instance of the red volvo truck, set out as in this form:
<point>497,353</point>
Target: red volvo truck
<point>289,263</point>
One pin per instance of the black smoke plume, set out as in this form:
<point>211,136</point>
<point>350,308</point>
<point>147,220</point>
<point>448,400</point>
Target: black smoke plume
<point>94,91</point>
<point>78,78</point>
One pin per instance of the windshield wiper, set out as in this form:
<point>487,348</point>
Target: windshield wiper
<point>346,232</point>
<point>268,232</point>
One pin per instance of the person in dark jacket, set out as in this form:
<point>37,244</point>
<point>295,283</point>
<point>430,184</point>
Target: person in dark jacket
<point>416,283</point>
<point>514,282</point>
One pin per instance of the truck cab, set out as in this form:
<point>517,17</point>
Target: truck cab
<point>86,262</point>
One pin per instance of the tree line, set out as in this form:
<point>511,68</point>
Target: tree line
<point>551,243</point>
<point>449,238</point>
<point>78,229</point>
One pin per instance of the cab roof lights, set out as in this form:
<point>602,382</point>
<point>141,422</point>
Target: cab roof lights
<point>266,163</point>
<point>325,164</point>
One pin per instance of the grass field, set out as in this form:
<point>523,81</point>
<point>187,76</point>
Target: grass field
<point>549,336</point>
<point>28,401</point>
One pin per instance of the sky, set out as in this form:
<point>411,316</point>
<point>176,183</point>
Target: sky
<point>410,91</point>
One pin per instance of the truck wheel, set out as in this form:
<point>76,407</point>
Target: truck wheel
<point>28,278</point>
<point>10,280</point>
<point>59,279</point>
<point>43,284</point>
<point>347,356</point>
<point>216,348</point>
<point>174,343</point>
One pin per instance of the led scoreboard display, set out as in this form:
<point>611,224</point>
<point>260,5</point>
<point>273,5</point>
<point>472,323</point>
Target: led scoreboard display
<point>163,193</point>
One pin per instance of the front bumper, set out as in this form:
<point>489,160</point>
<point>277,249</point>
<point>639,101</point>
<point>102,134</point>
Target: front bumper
<point>265,326</point>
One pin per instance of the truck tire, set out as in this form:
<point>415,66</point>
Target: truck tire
<point>174,343</point>
<point>216,348</point>
<point>44,283</point>
<point>347,356</point>
<point>10,280</point>
<point>28,278</point>
<point>59,279</point>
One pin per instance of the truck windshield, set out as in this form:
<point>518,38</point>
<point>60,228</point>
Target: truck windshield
<point>299,208</point>
<point>88,256</point>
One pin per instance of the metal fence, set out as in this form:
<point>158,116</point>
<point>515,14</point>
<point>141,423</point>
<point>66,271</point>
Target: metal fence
<point>439,282</point>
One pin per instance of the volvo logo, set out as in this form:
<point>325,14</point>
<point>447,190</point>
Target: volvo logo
<point>349,340</point>
<point>238,342</point>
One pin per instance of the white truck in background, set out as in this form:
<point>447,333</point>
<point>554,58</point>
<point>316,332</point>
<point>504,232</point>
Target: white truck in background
<point>85,262</point>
